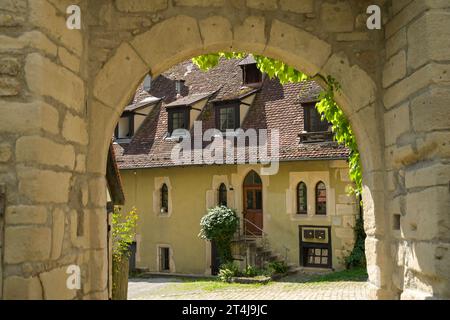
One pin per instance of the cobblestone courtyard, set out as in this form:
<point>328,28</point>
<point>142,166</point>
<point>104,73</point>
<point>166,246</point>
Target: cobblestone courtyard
<point>290,288</point>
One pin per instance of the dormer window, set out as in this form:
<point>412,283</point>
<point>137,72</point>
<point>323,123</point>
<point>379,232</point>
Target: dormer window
<point>147,83</point>
<point>312,119</point>
<point>178,119</point>
<point>227,116</point>
<point>251,74</point>
<point>125,126</point>
<point>178,86</point>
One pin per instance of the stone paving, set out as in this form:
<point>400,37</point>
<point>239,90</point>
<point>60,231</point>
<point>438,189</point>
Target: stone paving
<point>289,288</point>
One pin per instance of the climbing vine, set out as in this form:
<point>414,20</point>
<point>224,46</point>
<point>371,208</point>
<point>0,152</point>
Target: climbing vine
<point>329,110</point>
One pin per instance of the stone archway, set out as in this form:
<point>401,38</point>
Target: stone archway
<point>76,83</point>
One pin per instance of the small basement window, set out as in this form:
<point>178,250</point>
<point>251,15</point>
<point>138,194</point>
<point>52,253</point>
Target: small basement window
<point>164,259</point>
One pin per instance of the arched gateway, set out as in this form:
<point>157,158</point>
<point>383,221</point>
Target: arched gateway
<point>66,89</point>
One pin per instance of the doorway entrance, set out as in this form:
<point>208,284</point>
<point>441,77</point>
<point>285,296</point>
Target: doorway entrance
<point>253,211</point>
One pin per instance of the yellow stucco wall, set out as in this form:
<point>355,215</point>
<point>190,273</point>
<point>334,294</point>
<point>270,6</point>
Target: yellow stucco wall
<point>193,189</point>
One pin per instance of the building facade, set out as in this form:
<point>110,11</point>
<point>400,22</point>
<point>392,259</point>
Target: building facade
<point>294,202</point>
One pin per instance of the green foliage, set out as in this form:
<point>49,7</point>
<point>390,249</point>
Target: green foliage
<point>219,225</point>
<point>277,267</point>
<point>227,271</point>
<point>251,271</point>
<point>123,231</point>
<point>357,257</point>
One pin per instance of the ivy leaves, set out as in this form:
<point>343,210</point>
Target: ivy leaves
<point>326,106</point>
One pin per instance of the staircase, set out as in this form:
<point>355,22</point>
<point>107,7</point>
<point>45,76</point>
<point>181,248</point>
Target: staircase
<point>255,250</point>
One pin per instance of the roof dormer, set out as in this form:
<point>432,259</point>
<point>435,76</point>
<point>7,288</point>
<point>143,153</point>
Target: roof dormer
<point>251,75</point>
<point>184,111</point>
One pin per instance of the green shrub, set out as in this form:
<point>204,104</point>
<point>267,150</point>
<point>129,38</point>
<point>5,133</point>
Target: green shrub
<point>251,271</point>
<point>227,271</point>
<point>357,257</point>
<point>276,267</point>
<point>220,225</point>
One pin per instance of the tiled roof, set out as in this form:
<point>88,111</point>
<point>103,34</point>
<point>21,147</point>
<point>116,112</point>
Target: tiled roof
<point>189,100</point>
<point>276,107</point>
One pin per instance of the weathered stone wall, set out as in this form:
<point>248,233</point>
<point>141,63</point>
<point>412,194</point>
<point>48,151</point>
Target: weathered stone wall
<point>62,91</point>
<point>416,83</point>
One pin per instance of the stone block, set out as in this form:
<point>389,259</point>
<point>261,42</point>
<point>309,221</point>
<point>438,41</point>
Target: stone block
<point>199,3</point>
<point>355,83</point>
<point>337,17</point>
<point>431,259</point>
<point>29,117</point>
<point>429,39</point>
<point>9,66</point>
<point>33,39</point>
<point>430,110</point>
<point>159,51</point>
<point>5,152</point>
<point>97,191</point>
<point>44,186</point>
<point>18,288</point>
<point>114,86</point>
<point>69,60</point>
<point>352,36</point>
<point>36,149</point>
<point>75,129</point>
<point>298,48</point>
<point>250,34</point>
<point>396,42</point>
<point>303,6</point>
<point>141,6</point>
<point>262,4</point>
<point>24,243</point>
<point>394,69</point>
<point>427,75</point>
<point>24,214</point>
<point>9,86</point>
<point>54,283</point>
<point>58,223</point>
<point>396,123</point>
<point>434,174</point>
<point>345,209</point>
<point>44,16</point>
<point>216,31</point>
<point>49,79</point>
<point>427,215</point>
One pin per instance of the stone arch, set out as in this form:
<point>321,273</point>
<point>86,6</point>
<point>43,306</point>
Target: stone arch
<point>153,51</point>
<point>64,94</point>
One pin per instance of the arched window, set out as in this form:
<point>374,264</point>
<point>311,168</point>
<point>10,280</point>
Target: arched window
<point>222,195</point>
<point>321,198</point>
<point>302,204</point>
<point>252,179</point>
<point>164,199</point>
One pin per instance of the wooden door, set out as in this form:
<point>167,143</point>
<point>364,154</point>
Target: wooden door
<point>253,204</point>
<point>253,210</point>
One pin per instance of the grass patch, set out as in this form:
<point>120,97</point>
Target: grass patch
<point>209,285</point>
<point>356,274</point>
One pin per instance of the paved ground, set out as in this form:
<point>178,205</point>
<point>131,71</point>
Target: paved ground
<point>288,288</point>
